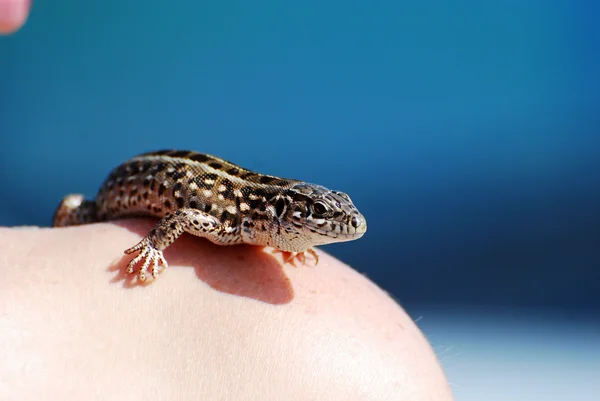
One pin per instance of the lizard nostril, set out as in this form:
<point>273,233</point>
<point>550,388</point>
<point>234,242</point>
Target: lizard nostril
<point>354,221</point>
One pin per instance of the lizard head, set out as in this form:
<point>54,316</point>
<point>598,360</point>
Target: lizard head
<point>313,215</point>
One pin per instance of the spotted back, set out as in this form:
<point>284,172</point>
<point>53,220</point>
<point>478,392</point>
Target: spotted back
<point>157,183</point>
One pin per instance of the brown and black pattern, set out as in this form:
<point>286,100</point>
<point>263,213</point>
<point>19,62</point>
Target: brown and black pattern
<point>216,199</point>
<point>158,183</point>
<point>225,167</point>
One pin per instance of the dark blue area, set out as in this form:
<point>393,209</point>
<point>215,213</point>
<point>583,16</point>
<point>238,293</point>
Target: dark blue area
<point>467,133</point>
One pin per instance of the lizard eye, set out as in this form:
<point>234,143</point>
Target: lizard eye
<point>320,208</point>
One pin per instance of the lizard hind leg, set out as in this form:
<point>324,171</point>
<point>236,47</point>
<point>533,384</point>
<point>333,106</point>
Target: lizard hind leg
<point>75,210</point>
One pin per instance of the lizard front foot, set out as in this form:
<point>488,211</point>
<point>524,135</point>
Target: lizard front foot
<point>288,257</point>
<point>150,255</point>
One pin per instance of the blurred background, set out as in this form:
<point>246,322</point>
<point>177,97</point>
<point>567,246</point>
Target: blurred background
<point>467,132</point>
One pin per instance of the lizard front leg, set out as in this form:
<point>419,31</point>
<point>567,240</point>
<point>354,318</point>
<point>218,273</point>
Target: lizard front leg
<point>167,230</point>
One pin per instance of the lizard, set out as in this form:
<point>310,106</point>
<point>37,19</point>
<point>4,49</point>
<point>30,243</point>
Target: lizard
<point>209,197</point>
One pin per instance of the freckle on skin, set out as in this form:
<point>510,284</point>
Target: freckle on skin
<point>13,14</point>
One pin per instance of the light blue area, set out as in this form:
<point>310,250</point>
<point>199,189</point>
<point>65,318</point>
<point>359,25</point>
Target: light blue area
<point>497,354</point>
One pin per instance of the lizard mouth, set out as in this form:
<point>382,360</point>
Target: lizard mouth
<point>341,231</point>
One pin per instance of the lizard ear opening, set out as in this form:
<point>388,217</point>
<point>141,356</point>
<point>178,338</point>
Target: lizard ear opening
<point>280,207</point>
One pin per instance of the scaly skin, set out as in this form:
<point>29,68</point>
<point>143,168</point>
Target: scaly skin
<point>215,199</point>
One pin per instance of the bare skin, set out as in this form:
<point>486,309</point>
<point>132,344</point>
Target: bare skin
<point>13,14</point>
<point>226,323</point>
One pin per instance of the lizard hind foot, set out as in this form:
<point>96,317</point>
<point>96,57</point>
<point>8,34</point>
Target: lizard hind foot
<point>149,255</point>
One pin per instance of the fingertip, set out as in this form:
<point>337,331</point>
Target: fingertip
<point>13,14</point>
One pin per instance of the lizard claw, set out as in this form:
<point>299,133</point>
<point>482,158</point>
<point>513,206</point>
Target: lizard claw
<point>288,257</point>
<point>149,255</point>
<point>314,254</point>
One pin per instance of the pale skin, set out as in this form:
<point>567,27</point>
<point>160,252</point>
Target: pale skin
<point>13,14</point>
<point>221,322</point>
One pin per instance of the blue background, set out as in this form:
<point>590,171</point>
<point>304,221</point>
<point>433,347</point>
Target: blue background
<point>467,132</point>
